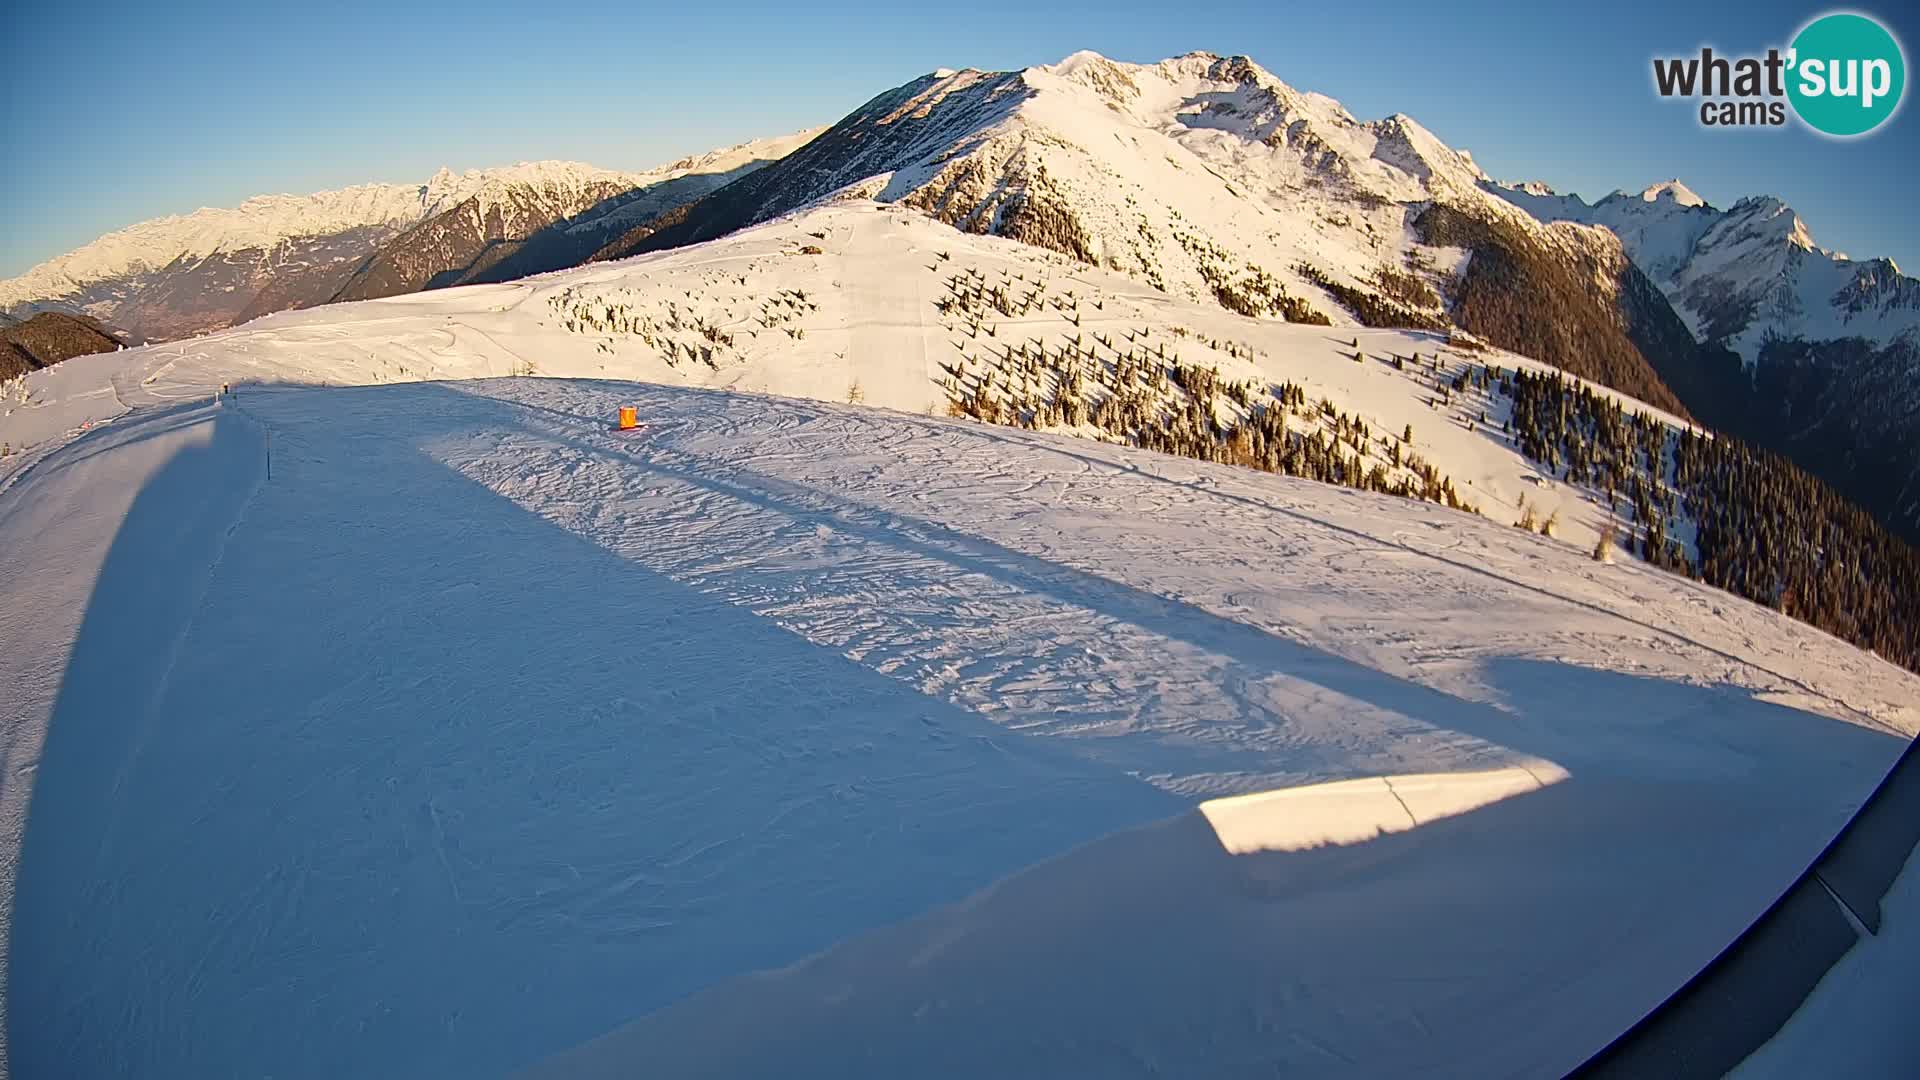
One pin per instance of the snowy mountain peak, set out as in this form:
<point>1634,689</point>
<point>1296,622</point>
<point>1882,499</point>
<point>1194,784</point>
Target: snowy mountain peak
<point>1407,144</point>
<point>1236,69</point>
<point>1672,191</point>
<point>1123,81</point>
<point>183,274</point>
<point>1769,216</point>
<point>448,187</point>
<point>731,157</point>
<point>1113,80</point>
<point>1745,276</point>
<point>1077,62</point>
<point>265,222</point>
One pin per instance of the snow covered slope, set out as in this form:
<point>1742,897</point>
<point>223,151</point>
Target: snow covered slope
<point>374,725</point>
<point>179,275</point>
<point>478,730</point>
<point>1212,179</point>
<point>867,317</point>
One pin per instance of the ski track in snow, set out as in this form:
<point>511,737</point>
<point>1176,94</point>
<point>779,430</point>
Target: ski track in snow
<point>489,730</point>
<point>46,601</point>
<point>479,730</point>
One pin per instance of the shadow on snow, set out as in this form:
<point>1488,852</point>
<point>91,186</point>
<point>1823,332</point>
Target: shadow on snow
<point>375,772</point>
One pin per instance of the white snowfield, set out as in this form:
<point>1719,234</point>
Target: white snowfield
<point>367,725</point>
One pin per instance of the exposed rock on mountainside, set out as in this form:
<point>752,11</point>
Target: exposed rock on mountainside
<point>1208,177</point>
<point>480,229</point>
<point>512,229</point>
<point>1803,350</point>
<point>177,276</point>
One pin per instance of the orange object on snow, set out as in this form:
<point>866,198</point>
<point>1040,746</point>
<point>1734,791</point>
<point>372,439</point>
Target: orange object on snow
<point>629,417</point>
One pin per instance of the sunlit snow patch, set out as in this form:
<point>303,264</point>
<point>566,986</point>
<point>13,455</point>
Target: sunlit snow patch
<point>1354,811</point>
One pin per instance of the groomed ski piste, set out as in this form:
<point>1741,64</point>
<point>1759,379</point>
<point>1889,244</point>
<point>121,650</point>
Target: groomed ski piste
<point>395,716</point>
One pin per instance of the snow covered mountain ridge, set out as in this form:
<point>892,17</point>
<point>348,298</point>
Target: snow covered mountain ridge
<point>937,141</point>
<point>265,220</point>
<point>185,274</point>
<point>1805,351</point>
<point>1210,178</point>
<point>1744,275</point>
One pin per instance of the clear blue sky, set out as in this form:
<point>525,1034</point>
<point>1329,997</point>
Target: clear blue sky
<point>116,112</point>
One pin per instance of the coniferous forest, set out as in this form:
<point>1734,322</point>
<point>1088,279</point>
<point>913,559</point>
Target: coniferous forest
<point>1710,507</point>
<point>1762,527</point>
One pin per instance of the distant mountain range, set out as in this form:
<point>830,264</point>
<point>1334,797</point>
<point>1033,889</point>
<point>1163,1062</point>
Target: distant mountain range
<point>1201,175</point>
<point>176,276</point>
<point>1806,351</point>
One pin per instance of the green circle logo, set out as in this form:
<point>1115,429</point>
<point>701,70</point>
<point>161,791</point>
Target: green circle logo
<point>1848,74</point>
